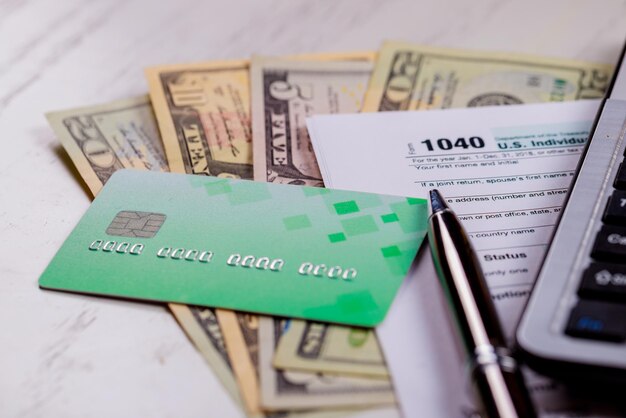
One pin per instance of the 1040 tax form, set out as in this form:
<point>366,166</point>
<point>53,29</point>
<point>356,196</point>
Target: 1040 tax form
<point>505,171</point>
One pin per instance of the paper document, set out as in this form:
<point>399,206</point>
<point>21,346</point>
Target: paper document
<point>505,171</point>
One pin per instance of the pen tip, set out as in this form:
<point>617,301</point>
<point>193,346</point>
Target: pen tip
<point>437,202</point>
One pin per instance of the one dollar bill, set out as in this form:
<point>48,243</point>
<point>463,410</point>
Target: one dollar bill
<point>282,390</point>
<point>284,94</point>
<point>414,77</point>
<point>330,349</point>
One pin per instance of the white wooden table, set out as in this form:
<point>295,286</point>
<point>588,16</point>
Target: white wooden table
<point>78,356</point>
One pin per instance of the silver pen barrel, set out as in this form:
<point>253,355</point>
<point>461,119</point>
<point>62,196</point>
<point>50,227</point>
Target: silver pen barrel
<point>497,377</point>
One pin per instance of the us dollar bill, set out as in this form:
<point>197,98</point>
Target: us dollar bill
<point>284,94</point>
<point>203,112</point>
<point>415,77</point>
<point>241,335</point>
<point>123,134</point>
<point>282,390</point>
<point>105,138</point>
<point>330,349</point>
<point>203,329</point>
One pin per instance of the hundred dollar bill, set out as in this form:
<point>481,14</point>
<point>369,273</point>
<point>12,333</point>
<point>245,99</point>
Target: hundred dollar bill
<point>284,94</point>
<point>105,138</point>
<point>203,111</point>
<point>330,349</point>
<point>299,390</point>
<point>414,77</point>
<point>123,134</point>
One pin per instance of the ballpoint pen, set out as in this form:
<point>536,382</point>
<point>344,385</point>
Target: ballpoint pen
<point>498,379</point>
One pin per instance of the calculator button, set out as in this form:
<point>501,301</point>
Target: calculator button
<point>598,321</point>
<point>620,179</point>
<point>604,281</point>
<point>615,212</point>
<point>610,244</point>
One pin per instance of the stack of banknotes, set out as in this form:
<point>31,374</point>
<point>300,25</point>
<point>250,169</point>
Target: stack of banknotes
<point>247,119</point>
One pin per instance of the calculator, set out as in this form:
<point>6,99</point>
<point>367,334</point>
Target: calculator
<point>574,325</point>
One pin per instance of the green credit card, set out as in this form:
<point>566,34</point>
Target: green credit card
<point>306,252</point>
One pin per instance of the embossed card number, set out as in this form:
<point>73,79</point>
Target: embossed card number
<point>234,260</point>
